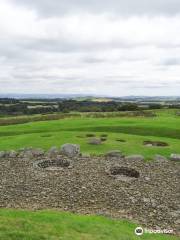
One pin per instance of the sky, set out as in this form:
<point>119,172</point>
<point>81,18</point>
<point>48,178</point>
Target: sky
<point>93,47</point>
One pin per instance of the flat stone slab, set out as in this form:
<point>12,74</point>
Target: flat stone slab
<point>175,157</point>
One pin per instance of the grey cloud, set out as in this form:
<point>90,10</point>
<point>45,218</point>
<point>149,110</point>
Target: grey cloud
<point>171,62</point>
<point>110,62</point>
<point>128,7</point>
<point>93,60</point>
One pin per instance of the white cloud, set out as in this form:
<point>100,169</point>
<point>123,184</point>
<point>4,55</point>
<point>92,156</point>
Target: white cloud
<point>89,52</point>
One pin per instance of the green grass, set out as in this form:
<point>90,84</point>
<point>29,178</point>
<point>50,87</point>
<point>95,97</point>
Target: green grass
<point>134,130</point>
<point>50,225</point>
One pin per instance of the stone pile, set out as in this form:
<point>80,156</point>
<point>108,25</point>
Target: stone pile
<point>114,185</point>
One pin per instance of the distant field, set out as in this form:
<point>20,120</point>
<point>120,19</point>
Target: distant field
<point>133,130</point>
<point>50,225</point>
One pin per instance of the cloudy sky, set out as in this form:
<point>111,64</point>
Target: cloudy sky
<point>101,47</point>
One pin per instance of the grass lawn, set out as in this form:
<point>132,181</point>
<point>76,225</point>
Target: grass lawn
<point>51,225</point>
<point>134,130</point>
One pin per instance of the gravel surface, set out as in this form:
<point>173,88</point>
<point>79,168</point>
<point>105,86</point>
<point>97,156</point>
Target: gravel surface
<point>86,185</point>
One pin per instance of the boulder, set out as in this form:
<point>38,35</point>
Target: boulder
<point>70,150</point>
<point>30,152</point>
<point>95,141</point>
<point>53,152</point>
<point>37,152</point>
<point>26,153</point>
<point>114,153</point>
<point>135,158</point>
<point>175,157</point>
<point>12,154</point>
<point>160,159</point>
<point>2,154</point>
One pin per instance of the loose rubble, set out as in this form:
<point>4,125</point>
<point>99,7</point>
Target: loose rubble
<point>119,187</point>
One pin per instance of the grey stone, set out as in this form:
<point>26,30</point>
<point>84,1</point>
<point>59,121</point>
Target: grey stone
<point>175,157</point>
<point>175,214</point>
<point>53,152</point>
<point>146,200</point>
<point>160,159</point>
<point>26,153</point>
<point>95,141</point>
<point>147,179</point>
<point>115,153</point>
<point>12,154</point>
<point>2,154</point>
<point>70,150</point>
<point>30,152</point>
<point>37,152</point>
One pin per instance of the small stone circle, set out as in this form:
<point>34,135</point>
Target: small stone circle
<point>56,164</point>
<point>125,171</point>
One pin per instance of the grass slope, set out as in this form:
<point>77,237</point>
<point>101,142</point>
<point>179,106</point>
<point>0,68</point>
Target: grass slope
<point>49,225</point>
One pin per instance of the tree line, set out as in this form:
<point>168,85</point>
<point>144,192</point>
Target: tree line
<point>19,107</point>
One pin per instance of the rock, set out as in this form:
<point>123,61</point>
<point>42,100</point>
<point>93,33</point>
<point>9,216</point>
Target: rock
<point>147,179</point>
<point>95,141</point>
<point>53,152</point>
<point>2,154</point>
<point>37,152</point>
<point>115,153</point>
<point>134,158</point>
<point>12,154</point>
<point>30,152</point>
<point>146,200</point>
<point>70,150</point>
<point>160,159</point>
<point>26,152</point>
<point>175,157</point>
<point>175,214</point>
